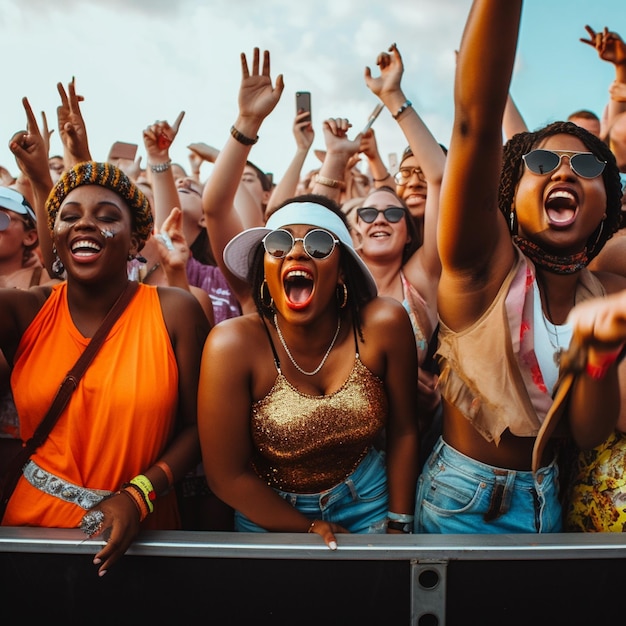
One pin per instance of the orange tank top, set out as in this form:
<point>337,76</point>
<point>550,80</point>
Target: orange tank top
<point>119,419</point>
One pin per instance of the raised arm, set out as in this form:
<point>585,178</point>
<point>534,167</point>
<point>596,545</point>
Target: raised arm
<point>611,48</point>
<point>474,243</point>
<point>31,154</point>
<point>340,150</point>
<point>257,99</point>
<point>72,129</point>
<point>512,122</point>
<point>286,188</point>
<point>424,268</point>
<point>157,140</point>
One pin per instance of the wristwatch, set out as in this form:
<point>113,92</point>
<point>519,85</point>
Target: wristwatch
<point>405,527</point>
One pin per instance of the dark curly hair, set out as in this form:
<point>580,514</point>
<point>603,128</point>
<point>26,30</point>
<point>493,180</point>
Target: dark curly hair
<point>512,169</point>
<point>358,293</point>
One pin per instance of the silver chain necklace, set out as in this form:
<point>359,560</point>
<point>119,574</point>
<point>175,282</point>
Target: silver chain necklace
<point>558,349</point>
<point>319,367</point>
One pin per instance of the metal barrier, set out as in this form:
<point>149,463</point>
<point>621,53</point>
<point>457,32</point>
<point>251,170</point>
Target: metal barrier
<point>240,578</point>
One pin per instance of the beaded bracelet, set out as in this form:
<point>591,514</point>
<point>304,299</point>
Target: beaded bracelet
<point>159,168</point>
<point>402,109</point>
<point>329,182</point>
<point>241,138</point>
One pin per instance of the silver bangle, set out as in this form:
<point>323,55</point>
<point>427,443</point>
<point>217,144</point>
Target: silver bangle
<point>158,168</point>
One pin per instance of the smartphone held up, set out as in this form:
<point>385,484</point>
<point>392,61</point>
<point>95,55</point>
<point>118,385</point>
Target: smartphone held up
<point>303,102</point>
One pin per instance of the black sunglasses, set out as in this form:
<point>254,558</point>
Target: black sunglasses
<point>317,243</point>
<point>584,164</point>
<point>392,214</point>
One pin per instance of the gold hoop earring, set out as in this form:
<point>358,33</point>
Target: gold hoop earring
<point>267,303</point>
<point>343,296</point>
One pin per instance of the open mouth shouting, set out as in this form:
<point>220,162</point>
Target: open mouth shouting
<point>561,207</point>
<point>298,284</point>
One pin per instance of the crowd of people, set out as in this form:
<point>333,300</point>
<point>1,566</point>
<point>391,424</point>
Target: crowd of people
<point>433,347</point>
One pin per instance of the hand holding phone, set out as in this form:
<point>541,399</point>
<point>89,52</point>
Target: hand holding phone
<point>303,102</point>
<point>372,118</point>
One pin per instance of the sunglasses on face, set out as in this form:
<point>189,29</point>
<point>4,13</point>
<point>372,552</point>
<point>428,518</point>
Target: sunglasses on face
<point>6,219</point>
<point>392,214</point>
<point>584,164</point>
<point>317,243</point>
<point>404,174</point>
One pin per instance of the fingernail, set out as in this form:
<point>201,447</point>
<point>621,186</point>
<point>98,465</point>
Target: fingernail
<point>97,561</point>
<point>102,572</point>
<point>332,545</point>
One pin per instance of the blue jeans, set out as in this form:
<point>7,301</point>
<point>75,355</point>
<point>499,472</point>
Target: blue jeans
<point>359,503</point>
<point>456,494</point>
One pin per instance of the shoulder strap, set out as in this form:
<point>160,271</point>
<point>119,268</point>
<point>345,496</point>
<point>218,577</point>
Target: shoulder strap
<point>267,330</point>
<point>70,382</point>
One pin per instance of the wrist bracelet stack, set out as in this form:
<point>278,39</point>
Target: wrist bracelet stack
<point>329,182</point>
<point>400,521</point>
<point>402,109</point>
<point>159,168</point>
<point>141,492</point>
<point>241,138</point>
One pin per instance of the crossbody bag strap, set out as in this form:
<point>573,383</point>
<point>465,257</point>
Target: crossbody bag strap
<point>69,384</point>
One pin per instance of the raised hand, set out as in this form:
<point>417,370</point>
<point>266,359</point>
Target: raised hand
<point>336,137</point>
<point>391,70</point>
<point>257,96</point>
<point>173,249</point>
<point>617,91</point>
<point>72,129</point>
<point>609,45</point>
<point>30,148</point>
<point>303,131</point>
<point>158,137</point>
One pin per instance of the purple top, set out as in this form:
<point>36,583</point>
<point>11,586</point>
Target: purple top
<point>212,280</point>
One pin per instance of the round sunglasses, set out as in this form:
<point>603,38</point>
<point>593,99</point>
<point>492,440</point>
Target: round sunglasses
<point>317,243</point>
<point>584,164</point>
<point>6,219</point>
<point>392,214</point>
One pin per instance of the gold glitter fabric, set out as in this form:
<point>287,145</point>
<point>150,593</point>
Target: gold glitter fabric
<point>308,444</point>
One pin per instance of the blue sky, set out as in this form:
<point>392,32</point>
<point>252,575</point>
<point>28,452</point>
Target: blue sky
<point>140,60</point>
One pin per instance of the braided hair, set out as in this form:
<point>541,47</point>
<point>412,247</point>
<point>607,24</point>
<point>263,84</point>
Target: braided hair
<point>513,167</point>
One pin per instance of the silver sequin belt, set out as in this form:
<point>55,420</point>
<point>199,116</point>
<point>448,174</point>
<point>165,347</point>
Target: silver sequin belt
<point>59,488</point>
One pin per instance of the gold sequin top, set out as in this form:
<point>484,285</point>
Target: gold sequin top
<point>308,444</point>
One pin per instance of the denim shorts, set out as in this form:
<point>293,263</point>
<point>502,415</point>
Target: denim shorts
<point>456,494</point>
<point>359,503</point>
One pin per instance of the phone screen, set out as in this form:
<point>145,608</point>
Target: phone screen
<point>303,102</point>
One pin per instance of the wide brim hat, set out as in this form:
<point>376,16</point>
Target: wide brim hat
<point>240,249</point>
<point>13,200</point>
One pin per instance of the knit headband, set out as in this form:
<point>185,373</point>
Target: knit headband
<point>104,175</point>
